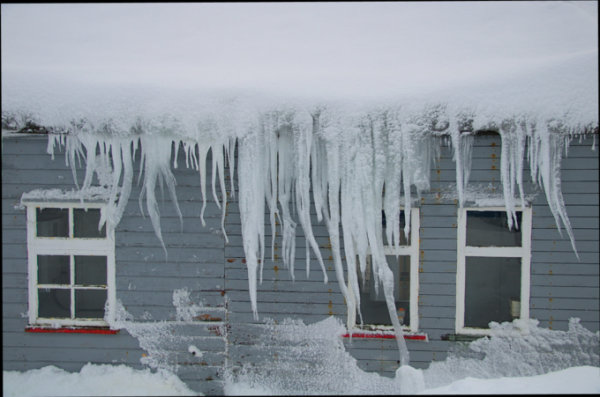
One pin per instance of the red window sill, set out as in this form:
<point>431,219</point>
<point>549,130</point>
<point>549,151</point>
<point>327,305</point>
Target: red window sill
<point>82,330</point>
<point>384,336</point>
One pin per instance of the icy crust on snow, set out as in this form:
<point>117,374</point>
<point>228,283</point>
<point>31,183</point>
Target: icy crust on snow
<point>517,349</point>
<point>355,162</point>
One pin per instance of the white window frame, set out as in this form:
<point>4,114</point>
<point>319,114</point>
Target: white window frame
<point>68,246</point>
<point>412,251</point>
<point>463,251</point>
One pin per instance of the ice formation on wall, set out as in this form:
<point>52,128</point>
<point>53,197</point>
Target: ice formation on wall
<point>355,163</point>
<point>313,359</point>
<point>162,340</point>
<point>516,349</point>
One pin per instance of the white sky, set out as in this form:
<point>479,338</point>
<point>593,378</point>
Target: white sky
<point>317,48</point>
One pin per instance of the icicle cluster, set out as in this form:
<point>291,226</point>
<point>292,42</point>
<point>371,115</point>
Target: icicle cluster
<point>355,165</point>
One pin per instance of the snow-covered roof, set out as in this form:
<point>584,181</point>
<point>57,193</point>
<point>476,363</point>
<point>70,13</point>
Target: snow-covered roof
<point>123,62</point>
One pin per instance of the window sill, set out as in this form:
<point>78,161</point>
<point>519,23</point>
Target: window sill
<point>462,337</point>
<point>72,330</point>
<point>385,335</point>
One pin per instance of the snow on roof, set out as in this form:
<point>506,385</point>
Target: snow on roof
<point>125,61</point>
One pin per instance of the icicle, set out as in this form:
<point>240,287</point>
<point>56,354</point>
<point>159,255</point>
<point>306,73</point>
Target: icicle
<point>219,164</point>
<point>231,159</point>
<point>201,167</point>
<point>270,172</point>
<point>252,208</point>
<point>303,141</point>
<point>286,176</point>
<point>157,152</point>
<point>215,168</point>
<point>52,141</point>
<point>74,148</point>
<point>548,166</point>
<point>507,172</point>
<point>594,144</point>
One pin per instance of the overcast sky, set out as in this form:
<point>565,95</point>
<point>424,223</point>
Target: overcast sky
<point>331,47</point>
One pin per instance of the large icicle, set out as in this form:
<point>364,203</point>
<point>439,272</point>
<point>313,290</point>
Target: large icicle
<point>157,155</point>
<point>546,159</point>
<point>303,140</point>
<point>252,207</point>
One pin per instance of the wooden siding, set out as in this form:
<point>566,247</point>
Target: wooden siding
<point>215,272</point>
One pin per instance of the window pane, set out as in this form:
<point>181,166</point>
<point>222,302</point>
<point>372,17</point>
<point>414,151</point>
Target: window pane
<point>490,229</point>
<point>54,303</point>
<point>90,270</point>
<point>89,303</point>
<point>53,269</point>
<point>373,306</point>
<point>492,289</point>
<point>402,220</point>
<point>52,222</point>
<point>86,223</point>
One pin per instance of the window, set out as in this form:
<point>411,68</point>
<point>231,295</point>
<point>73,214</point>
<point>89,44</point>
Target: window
<point>71,265</point>
<point>493,268</point>
<point>405,267</point>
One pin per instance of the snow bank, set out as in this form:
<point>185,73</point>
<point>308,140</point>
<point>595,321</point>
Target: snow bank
<point>577,380</point>
<point>93,380</point>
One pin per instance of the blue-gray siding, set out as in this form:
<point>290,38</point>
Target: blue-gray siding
<point>215,273</point>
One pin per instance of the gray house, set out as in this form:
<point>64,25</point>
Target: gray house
<point>176,290</point>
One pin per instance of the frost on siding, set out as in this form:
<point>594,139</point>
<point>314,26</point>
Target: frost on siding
<point>166,340</point>
<point>356,164</point>
<point>312,359</point>
<point>517,349</point>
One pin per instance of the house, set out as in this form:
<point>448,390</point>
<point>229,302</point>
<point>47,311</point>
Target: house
<point>178,283</point>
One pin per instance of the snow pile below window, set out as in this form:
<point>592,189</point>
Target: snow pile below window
<point>93,380</point>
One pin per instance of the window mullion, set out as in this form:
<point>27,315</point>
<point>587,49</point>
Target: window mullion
<point>72,284</point>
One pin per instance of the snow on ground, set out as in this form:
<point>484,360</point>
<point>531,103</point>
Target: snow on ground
<point>517,358</point>
<point>577,380</point>
<point>106,380</point>
<point>93,380</point>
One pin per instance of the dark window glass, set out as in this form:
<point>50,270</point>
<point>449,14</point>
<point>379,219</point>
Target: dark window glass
<point>54,303</point>
<point>90,270</point>
<point>373,306</point>
<point>402,220</point>
<point>52,222</point>
<point>86,223</point>
<point>490,229</point>
<point>492,290</point>
<point>89,303</point>
<point>54,269</point>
